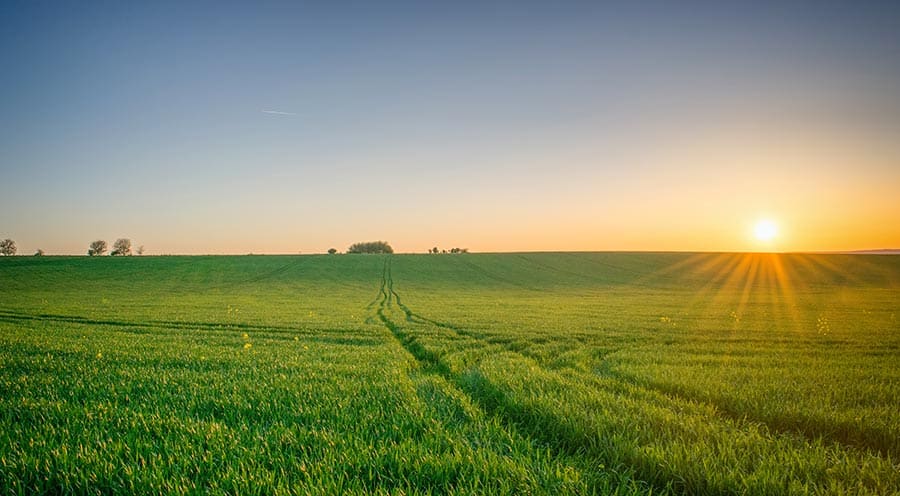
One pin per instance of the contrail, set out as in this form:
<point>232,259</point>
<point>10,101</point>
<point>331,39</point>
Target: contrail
<point>277,112</point>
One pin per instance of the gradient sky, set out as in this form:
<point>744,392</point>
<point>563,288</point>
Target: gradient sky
<point>283,127</point>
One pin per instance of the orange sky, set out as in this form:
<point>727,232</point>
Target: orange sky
<point>249,128</point>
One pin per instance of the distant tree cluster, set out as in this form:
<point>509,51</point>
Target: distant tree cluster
<point>435,250</point>
<point>332,251</point>
<point>121,248</point>
<point>97,248</point>
<point>7,247</point>
<point>370,247</point>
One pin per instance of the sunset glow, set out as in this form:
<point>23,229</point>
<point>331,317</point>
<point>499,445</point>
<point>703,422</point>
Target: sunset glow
<point>765,230</point>
<point>298,128</point>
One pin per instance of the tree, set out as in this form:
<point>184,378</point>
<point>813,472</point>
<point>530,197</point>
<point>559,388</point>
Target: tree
<point>371,247</point>
<point>434,250</point>
<point>332,251</point>
<point>39,253</point>
<point>121,247</point>
<point>7,247</point>
<point>140,250</point>
<point>97,248</point>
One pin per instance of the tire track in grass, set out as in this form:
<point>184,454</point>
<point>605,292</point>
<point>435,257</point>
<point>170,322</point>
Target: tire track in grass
<point>12,316</point>
<point>834,433</point>
<point>829,432</point>
<point>381,292</point>
<point>548,428</point>
<point>428,359</point>
<point>492,401</point>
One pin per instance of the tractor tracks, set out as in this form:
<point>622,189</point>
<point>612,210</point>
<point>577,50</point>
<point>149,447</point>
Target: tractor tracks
<point>492,400</point>
<point>531,420</point>
<point>429,361</point>
<point>724,410</point>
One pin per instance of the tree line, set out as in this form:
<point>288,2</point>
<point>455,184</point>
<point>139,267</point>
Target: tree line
<point>122,247</point>
<point>384,247</point>
<point>370,247</point>
<point>435,250</point>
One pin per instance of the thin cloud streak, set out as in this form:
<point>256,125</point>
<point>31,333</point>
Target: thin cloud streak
<point>277,112</point>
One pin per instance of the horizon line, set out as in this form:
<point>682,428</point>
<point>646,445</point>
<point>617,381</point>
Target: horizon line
<point>878,251</point>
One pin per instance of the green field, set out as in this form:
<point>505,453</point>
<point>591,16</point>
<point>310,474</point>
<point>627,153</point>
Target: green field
<point>546,373</point>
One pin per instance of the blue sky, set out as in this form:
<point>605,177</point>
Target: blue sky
<point>496,126</point>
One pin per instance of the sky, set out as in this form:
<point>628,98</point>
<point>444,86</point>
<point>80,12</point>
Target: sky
<point>270,127</point>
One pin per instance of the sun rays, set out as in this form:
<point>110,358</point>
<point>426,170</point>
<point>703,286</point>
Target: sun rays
<point>732,285</point>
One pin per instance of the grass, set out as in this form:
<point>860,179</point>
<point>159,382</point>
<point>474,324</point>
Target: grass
<point>545,373</point>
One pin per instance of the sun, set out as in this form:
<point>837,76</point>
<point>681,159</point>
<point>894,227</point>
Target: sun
<point>765,230</point>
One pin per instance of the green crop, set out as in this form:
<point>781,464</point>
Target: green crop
<point>545,373</point>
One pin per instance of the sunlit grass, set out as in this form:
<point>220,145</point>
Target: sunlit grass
<point>531,373</point>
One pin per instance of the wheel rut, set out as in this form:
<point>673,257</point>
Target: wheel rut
<point>528,420</point>
<point>723,410</point>
<point>487,397</point>
<point>386,296</point>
